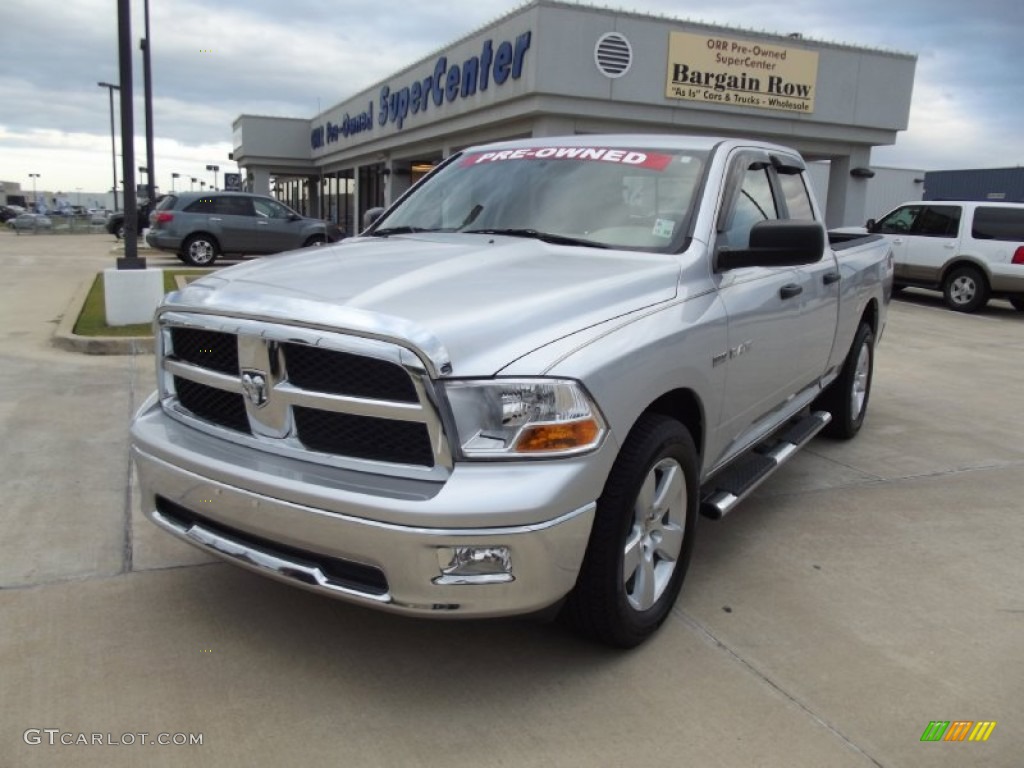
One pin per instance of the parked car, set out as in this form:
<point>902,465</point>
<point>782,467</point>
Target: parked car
<point>32,221</point>
<point>200,226</point>
<point>8,212</point>
<point>969,250</point>
<point>115,222</point>
<point>518,388</point>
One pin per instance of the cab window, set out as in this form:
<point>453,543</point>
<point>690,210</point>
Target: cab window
<point>899,221</point>
<point>798,201</point>
<point>755,202</point>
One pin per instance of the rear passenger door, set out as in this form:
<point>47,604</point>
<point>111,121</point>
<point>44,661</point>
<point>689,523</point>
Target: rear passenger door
<point>235,218</point>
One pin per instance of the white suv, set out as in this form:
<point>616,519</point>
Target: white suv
<point>971,251</point>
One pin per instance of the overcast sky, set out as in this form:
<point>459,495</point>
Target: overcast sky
<point>216,59</point>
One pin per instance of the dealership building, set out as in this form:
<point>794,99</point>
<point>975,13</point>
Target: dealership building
<point>558,69</point>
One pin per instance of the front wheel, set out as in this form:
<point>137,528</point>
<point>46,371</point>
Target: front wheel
<point>642,538</point>
<point>200,251</point>
<point>965,289</point>
<point>314,241</point>
<point>847,397</point>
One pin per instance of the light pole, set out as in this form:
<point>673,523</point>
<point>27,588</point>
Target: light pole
<point>113,150</point>
<point>174,177</point>
<point>35,197</point>
<point>214,168</point>
<point>144,170</point>
<point>202,186</point>
<point>192,184</point>
<point>148,99</point>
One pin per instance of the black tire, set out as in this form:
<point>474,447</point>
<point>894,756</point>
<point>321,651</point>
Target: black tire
<point>119,231</point>
<point>965,289</point>
<point>200,251</point>
<point>1017,302</point>
<point>315,240</point>
<point>648,510</point>
<point>897,288</point>
<point>847,397</point>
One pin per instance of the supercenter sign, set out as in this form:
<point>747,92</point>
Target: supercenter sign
<point>740,73</point>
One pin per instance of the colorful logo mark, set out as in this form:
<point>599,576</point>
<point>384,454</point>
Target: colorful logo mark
<point>958,730</point>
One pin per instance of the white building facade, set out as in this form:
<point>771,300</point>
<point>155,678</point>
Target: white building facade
<point>556,69</point>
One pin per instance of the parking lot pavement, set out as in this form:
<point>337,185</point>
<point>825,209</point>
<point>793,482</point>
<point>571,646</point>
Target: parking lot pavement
<point>868,589</point>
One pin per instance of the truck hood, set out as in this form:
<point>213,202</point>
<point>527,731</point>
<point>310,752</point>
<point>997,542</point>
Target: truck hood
<point>487,300</point>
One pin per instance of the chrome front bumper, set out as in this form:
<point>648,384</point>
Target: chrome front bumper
<point>321,531</point>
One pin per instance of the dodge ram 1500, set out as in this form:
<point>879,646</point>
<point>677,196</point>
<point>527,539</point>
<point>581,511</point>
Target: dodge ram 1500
<point>516,390</point>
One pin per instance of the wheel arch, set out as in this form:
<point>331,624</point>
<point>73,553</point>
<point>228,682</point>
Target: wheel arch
<point>965,260</point>
<point>684,406</point>
<point>200,233</point>
<point>870,315</point>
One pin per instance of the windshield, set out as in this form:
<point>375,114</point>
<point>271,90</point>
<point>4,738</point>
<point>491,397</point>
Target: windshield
<point>621,198</point>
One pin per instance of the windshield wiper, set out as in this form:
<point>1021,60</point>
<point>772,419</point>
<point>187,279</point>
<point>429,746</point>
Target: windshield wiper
<point>399,231</point>
<point>547,237</point>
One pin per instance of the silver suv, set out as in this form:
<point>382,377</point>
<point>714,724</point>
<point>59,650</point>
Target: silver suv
<point>201,226</point>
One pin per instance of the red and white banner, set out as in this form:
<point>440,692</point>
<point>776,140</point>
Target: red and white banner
<point>635,158</point>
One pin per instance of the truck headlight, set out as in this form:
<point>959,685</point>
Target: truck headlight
<point>523,417</point>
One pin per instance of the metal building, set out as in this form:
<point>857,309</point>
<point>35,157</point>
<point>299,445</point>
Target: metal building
<point>1005,185</point>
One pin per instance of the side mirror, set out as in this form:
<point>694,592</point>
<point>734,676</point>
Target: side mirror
<point>371,216</point>
<point>776,243</point>
<point>869,225</point>
<point>294,217</point>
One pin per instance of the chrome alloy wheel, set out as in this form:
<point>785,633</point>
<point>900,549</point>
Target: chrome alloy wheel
<point>962,290</point>
<point>656,539</point>
<point>201,251</point>
<point>861,377</point>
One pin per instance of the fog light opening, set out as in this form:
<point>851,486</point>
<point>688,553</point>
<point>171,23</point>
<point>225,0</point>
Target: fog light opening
<point>474,564</point>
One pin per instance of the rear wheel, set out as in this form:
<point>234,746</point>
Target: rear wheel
<point>642,538</point>
<point>847,397</point>
<point>314,241</point>
<point>1017,302</point>
<point>200,251</point>
<point>965,289</point>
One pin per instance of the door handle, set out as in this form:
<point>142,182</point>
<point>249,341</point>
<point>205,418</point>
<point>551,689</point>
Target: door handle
<point>790,290</point>
<point>216,218</point>
<point>830,277</point>
<point>897,241</point>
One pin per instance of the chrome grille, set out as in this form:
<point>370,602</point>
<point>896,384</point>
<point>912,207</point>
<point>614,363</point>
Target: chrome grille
<point>379,439</point>
<point>212,404</point>
<point>208,349</point>
<point>340,373</point>
<point>316,395</point>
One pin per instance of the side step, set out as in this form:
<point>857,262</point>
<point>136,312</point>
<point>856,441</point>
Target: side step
<point>734,483</point>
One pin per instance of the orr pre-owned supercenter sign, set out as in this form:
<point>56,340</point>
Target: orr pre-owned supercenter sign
<point>448,81</point>
<point>740,73</point>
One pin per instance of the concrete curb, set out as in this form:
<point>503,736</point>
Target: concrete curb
<point>66,338</point>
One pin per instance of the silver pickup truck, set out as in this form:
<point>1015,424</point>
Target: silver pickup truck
<point>516,390</point>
